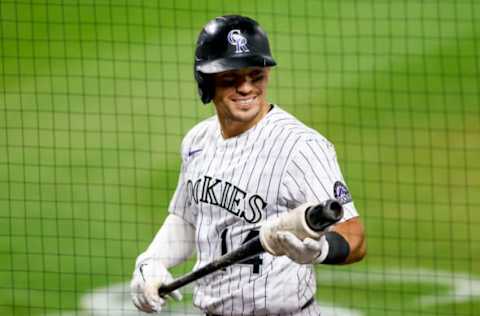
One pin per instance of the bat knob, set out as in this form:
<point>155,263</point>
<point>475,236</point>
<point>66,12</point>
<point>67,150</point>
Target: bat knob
<point>319,217</point>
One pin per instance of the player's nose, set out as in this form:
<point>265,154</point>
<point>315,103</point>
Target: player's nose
<point>245,86</point>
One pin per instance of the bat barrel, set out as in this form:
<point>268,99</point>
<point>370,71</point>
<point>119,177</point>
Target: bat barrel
<point>321,216</point>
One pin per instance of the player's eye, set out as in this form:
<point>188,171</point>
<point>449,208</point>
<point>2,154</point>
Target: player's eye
<point>226,81</point>
<point>257,78</point>
<point>256,75</point>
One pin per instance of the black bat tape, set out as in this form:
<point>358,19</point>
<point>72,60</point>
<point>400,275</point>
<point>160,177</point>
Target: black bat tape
<point>318,218</point>
<point>250,249</point>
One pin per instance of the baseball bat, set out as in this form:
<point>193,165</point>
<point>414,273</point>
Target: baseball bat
<point>317,217</point>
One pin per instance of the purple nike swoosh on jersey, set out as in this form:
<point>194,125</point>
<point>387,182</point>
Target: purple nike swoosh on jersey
<point>193,152</point>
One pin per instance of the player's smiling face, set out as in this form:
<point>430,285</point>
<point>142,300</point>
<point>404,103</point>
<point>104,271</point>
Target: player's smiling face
<point>240,98</point>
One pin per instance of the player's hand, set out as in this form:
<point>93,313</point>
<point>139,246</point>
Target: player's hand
<point>147,278</point>
<point>301,251</point>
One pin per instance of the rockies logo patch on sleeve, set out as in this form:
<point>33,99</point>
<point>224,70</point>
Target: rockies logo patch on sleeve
<point>341,193</point>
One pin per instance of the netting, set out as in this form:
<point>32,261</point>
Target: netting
<point>96,97</point>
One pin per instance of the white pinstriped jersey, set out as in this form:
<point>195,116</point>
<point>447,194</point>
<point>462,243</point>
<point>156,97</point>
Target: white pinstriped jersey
<point>228,187</point>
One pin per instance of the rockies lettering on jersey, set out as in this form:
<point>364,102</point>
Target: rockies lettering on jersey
<point>229,187</point>
<point>222,193</point>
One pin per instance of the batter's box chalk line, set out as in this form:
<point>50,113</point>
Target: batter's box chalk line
<point>116,300</point>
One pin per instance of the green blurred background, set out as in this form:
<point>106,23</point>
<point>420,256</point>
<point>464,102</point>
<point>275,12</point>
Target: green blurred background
<point>97,95</point>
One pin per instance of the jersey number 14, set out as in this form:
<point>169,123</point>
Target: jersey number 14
<point>254,261</point>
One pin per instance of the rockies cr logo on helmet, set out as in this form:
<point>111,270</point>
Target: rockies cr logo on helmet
<point>236,39</point>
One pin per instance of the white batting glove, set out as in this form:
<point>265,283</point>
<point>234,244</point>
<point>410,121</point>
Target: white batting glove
<point>307,251</point>
<point>147,278</point>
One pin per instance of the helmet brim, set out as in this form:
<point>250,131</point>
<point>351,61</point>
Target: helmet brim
<point>231,63</point>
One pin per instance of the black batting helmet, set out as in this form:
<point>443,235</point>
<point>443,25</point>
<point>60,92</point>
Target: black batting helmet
<point>225,43</point>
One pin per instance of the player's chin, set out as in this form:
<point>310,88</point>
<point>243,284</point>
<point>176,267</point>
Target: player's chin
<point>246,106</point>
<point>245,114</point>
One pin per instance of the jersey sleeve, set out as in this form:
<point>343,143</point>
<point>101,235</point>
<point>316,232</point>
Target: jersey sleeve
<point>180,204</point>
<point>313,175</point>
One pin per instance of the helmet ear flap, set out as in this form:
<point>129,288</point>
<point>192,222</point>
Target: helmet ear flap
<point>206,88</point>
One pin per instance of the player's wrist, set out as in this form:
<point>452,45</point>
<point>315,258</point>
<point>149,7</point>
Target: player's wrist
<point>143,259</point>
<point>335,249</point>
<point>150,268</point>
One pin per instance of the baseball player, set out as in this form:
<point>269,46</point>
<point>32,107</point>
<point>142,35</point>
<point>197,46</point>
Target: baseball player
<point>249,163</point>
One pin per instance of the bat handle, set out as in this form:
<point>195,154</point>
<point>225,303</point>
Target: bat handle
<point>168,288</point>
<point>320,216</point>
<point>249,249</point>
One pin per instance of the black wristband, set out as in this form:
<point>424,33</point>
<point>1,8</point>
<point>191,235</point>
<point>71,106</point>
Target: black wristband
<point>338,248</point>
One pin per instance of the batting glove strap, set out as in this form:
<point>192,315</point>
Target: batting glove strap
<point>324,247</point>
<point>335,249</point>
